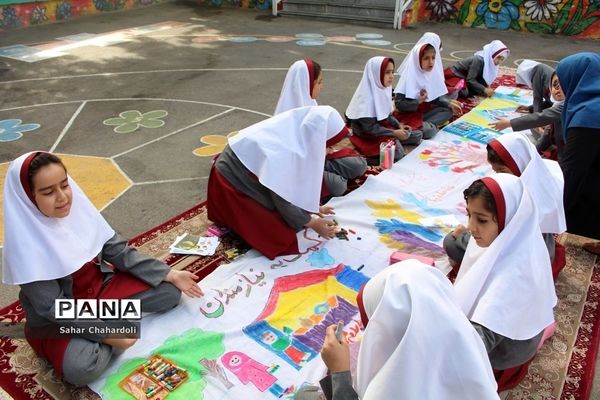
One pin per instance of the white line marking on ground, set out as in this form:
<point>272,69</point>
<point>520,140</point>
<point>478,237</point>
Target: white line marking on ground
<point>162,71</point>
<point>197,178</point>
<point>173,133</point>
<point>67,127</point>
<point>143,98</point>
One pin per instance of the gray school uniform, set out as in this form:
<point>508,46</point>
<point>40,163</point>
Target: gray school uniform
<point>86,357</point>
<point>471,70</point>
<point>337,386</point>
<point>370,127</point>
<point>541,76</point>
<point>241,178</point>
<point>433,118</point>
<point>339,170</point>
<point>549,116</point>
<point>507,353</point>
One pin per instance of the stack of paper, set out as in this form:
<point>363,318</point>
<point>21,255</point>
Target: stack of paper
<point>196,245</point>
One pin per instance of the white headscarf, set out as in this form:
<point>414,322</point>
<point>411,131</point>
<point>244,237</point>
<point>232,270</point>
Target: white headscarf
<point>371,98</point>
<point>524,72</point>
<point>428,37</point>
<point>418,345</point>
<point>489,52</point>
<point>296,88</point>
<point>508,287</point>
<point>41,248</point>
<point>542,178</point>
<point>413,78</point>
<point>290,147</point>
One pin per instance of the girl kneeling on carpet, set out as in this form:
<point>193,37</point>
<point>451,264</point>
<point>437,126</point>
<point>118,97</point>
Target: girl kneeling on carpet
<point>58,246</point>
<point>505,284</point>
<point>302,87</point>
<point>267,181</point>
<point>414,328</point>
<point>513,153</point>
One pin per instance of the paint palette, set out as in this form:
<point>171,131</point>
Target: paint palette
<point>154,379</point>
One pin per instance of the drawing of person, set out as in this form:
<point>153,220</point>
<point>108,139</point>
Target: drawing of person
<point>248,370</point>
<point>285,345</point>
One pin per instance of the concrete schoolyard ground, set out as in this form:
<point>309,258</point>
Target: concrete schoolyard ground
<point>141,100</point>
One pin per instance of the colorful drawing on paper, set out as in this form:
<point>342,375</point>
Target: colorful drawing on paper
<point>250,371</point>
<point>186,351</point>
<point>214,307</point>
<point>405,232</point>
<point>471,131</point>
<point>299,309</point>
<point>457,156</point>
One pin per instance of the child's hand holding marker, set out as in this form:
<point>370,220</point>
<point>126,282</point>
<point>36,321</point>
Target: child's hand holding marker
<point>335,352</point>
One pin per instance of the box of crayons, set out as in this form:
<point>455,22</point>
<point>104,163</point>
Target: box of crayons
<point>154,379</point>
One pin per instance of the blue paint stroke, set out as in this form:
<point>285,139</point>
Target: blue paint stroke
<point>351,278</point>
<point>394,225</point>
<point>417,245</point>
<point>242,39</point>
<point>376,42</point>
<point>320,258</point>
<point>422,204</point>
<point>365,36</point>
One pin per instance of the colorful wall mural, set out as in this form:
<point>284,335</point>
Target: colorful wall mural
<point>579,18</point>
<point>16,14</point>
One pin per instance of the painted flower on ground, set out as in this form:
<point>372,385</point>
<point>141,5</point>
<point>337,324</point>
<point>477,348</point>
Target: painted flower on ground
<point>12,129</point>
<point>132,120</point>
<point>498,14</point>
<point>441,9</point>
<point>541,9</point>
<point>214,144</point>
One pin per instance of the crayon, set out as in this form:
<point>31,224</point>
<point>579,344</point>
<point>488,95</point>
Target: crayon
<point>339,331</point>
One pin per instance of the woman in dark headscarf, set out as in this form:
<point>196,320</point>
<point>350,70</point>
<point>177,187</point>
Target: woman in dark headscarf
<point>579,76</point>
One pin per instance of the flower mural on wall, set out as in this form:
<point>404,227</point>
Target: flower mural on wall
<point>131,120</point>
<point>12,129</point>
<point>441,9</point>
<point>541,9</point>
<point>63,10</point>
<point>498,14</point>
<point>214,144</point>
<point>10,19</point>
<point>568,17</point>
<point>38,15</point>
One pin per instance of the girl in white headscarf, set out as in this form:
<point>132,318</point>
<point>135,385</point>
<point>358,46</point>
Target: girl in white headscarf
<point>513,153</point>
<point>480,70</point>
<point>537,77</point>
<point>58,246</point>
<point>420,95</point>
<point>417,343</point>
<point>505,285</point>
<point>302,87</point>
<point>266,183</point>
<point>370,109</point>
<point>552,138</point>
